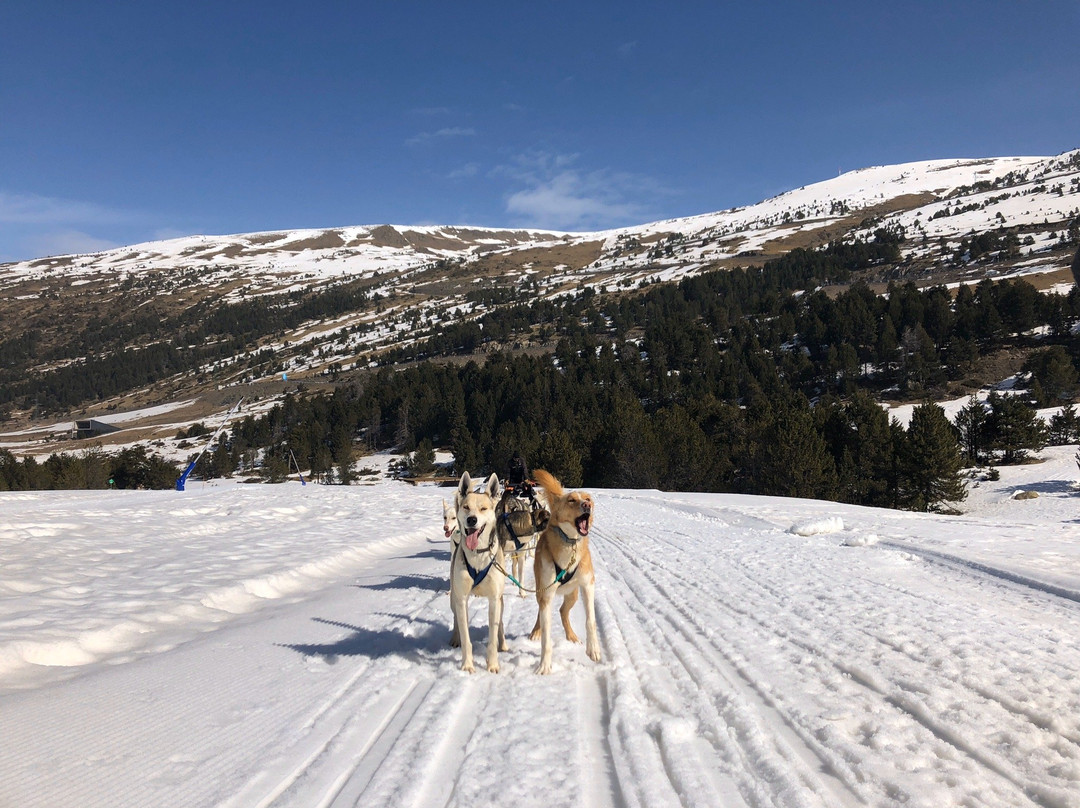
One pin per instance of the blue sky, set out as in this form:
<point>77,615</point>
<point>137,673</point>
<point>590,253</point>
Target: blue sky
<point>123,121</point>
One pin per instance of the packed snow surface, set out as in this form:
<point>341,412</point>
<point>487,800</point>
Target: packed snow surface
<point>282,645</point>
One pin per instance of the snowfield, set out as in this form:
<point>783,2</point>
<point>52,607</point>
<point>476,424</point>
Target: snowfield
<point>248,645</point>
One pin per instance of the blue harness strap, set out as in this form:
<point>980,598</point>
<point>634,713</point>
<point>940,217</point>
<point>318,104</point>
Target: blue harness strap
<point>518,544</point>
<point>477,575</point>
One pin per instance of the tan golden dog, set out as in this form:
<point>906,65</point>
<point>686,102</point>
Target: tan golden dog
<point>563,566</point>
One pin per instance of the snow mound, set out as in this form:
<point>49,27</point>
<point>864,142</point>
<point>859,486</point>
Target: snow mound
<point>860,540</point>
<point>831,524</point>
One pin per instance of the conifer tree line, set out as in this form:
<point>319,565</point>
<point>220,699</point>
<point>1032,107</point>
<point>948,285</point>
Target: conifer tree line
<point>133,467</point>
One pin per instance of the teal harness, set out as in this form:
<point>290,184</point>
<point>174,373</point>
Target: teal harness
<point>561,575</point>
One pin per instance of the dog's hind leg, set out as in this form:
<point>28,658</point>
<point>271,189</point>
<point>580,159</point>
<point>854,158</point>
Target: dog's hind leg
<point>564,612</point>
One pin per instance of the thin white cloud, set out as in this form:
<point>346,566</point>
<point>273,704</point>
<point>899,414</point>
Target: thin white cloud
<point>446,132</point>
<point>559,196</point>
<point>626,48</point>
<point>431,111</point>
<point>46,210</point>
<point>466,171</point>
<point>65,242</point>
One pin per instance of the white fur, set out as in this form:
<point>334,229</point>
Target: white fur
<point>476,511</point>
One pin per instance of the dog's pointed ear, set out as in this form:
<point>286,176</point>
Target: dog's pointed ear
<point>492,486</point>
<point>464,486</point>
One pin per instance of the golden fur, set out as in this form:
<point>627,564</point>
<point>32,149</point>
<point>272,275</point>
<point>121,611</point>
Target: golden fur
<point>565,543</point>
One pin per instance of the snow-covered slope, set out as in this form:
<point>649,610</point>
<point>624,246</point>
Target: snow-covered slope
<point>286,646</point>
<point>404,283</point>
<point>1026,191</point>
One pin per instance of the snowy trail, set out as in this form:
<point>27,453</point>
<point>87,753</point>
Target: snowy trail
<point>306,660</point>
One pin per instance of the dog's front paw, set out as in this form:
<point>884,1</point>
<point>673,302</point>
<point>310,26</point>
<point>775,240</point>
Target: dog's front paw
<point>493,667</point>
<point>468,667</point>
<point>535,635</point>
<point>455,641</point>
<point>543,669</point>
<point>593,654</point>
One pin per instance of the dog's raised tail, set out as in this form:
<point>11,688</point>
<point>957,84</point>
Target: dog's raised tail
<point>548,482</point>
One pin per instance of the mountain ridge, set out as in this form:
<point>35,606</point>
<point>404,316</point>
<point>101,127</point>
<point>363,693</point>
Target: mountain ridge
<point>327,300</point>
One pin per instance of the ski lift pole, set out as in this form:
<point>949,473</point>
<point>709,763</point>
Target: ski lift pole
<point>297,465</point>
<point>181,481</point>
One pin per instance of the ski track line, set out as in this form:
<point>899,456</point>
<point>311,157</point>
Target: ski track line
<point>636,755</point>
<point>353,778</point>
<point>447,712</point>
<point>594,749</point>
<point>301,757</point>
<point>957,679</point>
<point>896,696</point>
<point>752,715</point>
<point>974,567</point>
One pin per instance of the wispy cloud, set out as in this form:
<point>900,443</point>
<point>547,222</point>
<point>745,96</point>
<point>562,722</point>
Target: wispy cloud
<point>66,242</point>
<point>466,171</point>
<point>626,48</point>
<point>446,132</point>
<point>561,196</point>
<point>47,210</point>
<point>430,111</point>
<point>34,225</point>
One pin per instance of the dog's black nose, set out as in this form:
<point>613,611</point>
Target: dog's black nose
<point>471,521</point>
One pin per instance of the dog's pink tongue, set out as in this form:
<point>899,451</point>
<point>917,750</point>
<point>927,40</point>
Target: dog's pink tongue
<point>472,541</point>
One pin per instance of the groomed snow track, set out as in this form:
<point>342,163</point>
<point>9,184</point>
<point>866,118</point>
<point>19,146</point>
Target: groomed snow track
<point>744,666</point>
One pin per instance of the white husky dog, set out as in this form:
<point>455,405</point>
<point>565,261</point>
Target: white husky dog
<point>449,524</point>
<point>476,568</point>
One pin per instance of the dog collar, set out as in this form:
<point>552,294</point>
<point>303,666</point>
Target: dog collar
<point>566,538</point>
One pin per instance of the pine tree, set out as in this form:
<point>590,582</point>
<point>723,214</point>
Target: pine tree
<point>1054,373</point>
<point>1064,426</point>
<point>793,460</point>
<point>1013,429</point>
<point>423,459</point>
<point>860,441</point>
<point>971,425</point>
<point>558,454</point>
<point>931,461</point>
<point>687,455</point>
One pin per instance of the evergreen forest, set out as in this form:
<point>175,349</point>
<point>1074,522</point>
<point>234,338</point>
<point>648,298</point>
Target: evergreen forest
<point>764,380</point>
